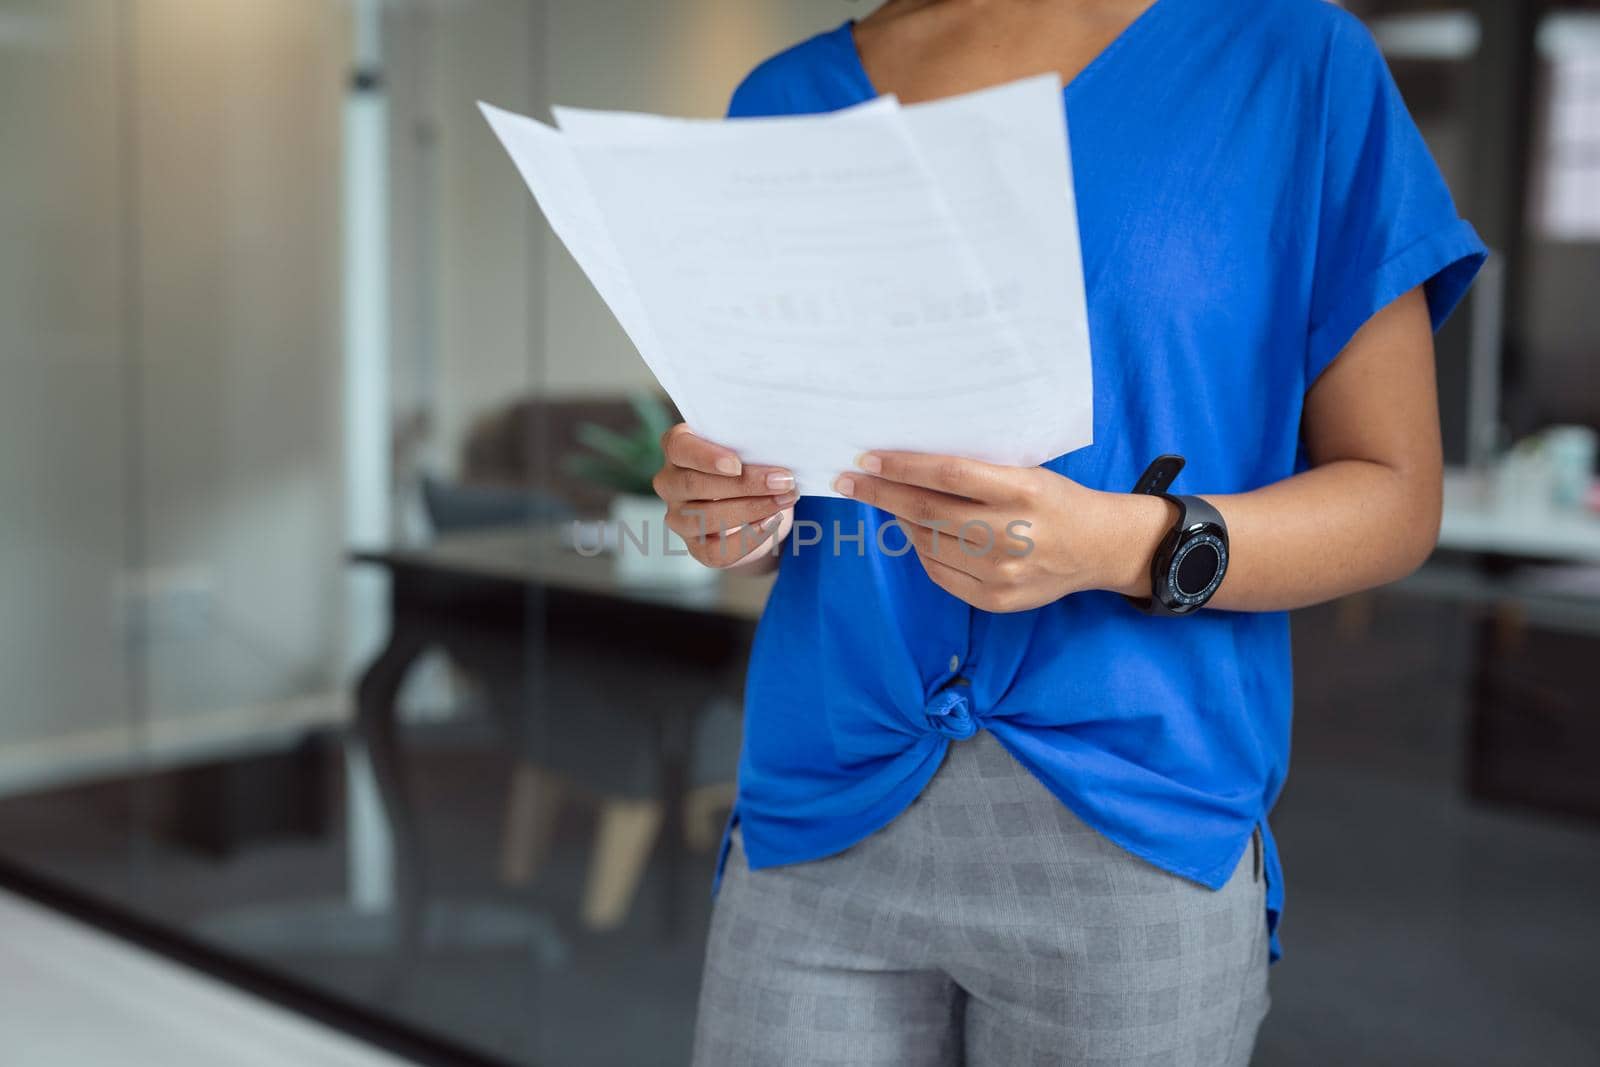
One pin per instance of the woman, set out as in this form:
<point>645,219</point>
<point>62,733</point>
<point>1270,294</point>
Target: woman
<point>1008,807</point>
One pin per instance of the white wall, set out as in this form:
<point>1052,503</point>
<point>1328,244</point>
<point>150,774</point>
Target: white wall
<point>237,205</point>
<point>62,481</point>
<point>168,309</point>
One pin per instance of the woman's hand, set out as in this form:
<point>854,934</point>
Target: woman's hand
<point>1012,538</point>
<point>728,513</point>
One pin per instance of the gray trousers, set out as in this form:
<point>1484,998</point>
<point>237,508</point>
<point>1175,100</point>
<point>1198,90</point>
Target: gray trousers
<point>987,925</point>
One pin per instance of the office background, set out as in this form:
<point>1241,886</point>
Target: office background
<point>271,294</point>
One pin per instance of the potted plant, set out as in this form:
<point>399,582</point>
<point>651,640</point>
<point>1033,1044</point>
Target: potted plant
<point>626,463</point>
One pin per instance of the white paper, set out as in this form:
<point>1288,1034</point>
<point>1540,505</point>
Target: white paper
<point>807,288</point>
<point>545,161</point>
<point>1001,155</point>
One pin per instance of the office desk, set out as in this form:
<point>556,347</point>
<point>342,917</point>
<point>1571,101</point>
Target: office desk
<point>494,600</point>
<point>537,556</point>
<point>1473,522</point>
<point>1544,564</point>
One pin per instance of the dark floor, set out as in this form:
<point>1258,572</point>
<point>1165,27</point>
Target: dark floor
<point>1422,929</point>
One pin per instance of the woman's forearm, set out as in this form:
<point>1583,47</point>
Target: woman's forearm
<point>1366,513</point>
<point>1330,531</point>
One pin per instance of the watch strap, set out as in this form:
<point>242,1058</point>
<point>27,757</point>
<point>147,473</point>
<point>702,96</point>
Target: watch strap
<point>1159,476</point>
<point>1155,481</point>
<point>1151,605</point>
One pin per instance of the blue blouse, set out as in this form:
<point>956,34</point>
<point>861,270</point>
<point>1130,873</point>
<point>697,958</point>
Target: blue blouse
<point>1250,190</point>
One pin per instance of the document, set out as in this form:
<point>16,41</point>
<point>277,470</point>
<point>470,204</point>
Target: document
<point>807,288</point>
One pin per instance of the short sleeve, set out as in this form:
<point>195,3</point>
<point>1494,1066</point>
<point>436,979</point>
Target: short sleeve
<point>1387,223</point>
<point>767,90</point>
<point>819,74</point>
<point>759,94</point>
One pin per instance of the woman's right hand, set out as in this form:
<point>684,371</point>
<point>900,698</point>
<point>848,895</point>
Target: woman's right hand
<point>726,511</point>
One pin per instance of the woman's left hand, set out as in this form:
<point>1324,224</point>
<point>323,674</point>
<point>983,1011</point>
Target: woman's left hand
<point>1011,538</point>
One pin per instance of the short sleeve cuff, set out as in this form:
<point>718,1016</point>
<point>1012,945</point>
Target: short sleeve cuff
<point>1445,262</point>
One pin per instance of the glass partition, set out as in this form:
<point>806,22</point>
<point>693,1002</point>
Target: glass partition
<point>302,665</point>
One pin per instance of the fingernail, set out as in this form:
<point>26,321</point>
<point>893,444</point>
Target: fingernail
<point>869,463</point>
<point>786,499</point>
<point>729,465</point>
<point>778,481</point>
<point>844,485</point>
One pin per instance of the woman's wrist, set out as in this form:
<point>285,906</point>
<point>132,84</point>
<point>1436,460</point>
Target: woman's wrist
<point>1130,530</point>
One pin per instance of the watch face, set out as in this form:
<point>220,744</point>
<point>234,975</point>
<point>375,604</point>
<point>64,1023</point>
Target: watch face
<point>1197,568</point>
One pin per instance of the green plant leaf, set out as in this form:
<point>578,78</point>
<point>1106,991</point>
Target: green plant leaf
<point>624,461</point>
<point>609,443</point>
<point>653,415</point>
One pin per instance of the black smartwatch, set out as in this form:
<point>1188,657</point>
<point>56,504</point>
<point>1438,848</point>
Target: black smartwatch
<point>1193,557</point>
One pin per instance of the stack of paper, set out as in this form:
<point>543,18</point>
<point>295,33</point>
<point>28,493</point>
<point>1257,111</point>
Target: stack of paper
<point>807,288</point>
